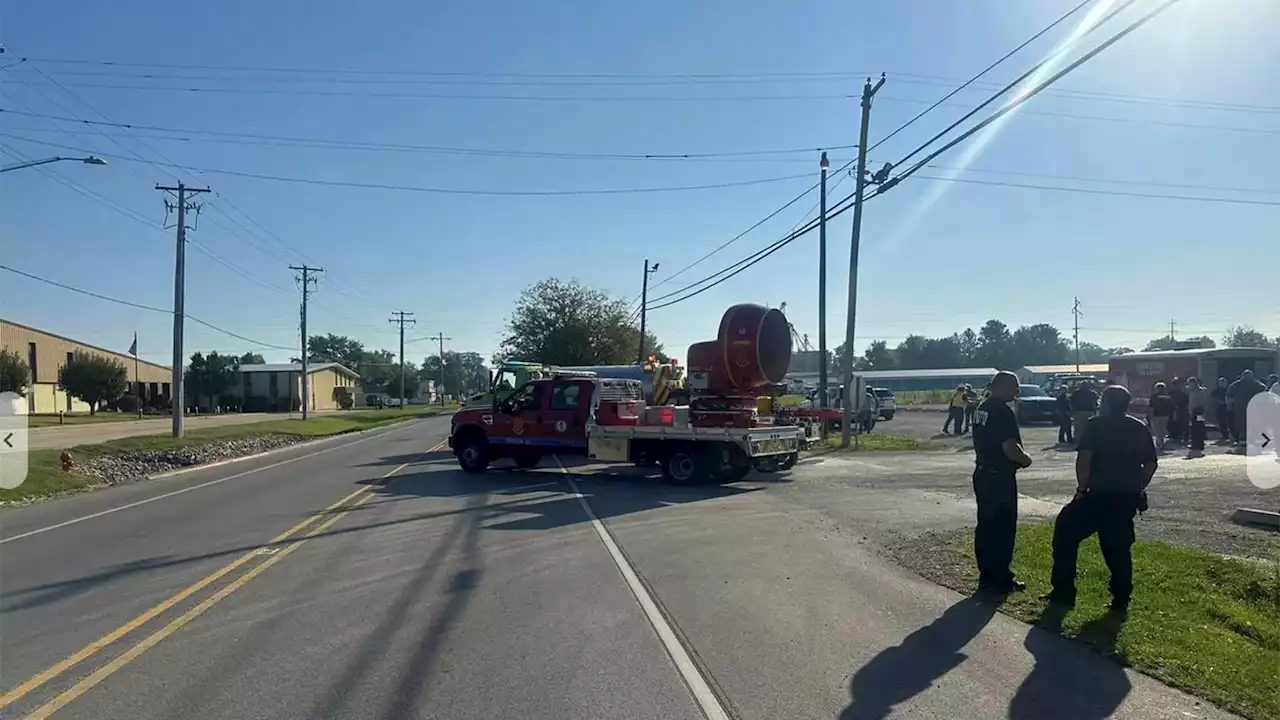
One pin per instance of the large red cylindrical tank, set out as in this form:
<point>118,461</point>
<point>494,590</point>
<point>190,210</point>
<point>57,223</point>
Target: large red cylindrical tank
<point>752,350</point>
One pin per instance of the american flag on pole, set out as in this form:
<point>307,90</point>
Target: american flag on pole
<point>133,349</point>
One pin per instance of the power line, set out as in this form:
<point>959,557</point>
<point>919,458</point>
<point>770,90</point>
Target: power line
<point>440,149</point>
<point>445,191</point>
<point>1010,86</point>
<point>1028,94</point>
<point>633,78</point>
<point>984,71</point>
<point>167,162</point>
<point>140,306</point>
<point>1097,191</point>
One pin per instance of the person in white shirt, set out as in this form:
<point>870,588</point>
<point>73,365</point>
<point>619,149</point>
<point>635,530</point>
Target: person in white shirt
<point>1274,381</point>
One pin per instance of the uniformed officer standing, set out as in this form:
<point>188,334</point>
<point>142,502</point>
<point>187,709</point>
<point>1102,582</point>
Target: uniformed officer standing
<point>997,446</point>
<point>1116,461</point>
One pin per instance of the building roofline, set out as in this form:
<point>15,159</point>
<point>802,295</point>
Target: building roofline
<point>64,338</point>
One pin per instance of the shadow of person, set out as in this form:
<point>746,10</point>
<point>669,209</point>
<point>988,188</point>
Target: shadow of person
<point>903,671</point>
<point>1068,681</point>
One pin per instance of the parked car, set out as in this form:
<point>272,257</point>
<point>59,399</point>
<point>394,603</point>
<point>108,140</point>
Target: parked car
<point>888,404</point>
<point>1036,405</point>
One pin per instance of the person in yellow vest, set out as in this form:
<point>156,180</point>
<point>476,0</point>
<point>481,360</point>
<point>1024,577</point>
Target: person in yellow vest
<point>955,411</point>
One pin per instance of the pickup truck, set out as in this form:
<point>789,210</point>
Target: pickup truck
<point>608,421</point>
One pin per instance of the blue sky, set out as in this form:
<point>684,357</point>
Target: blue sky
<point>935,257</point>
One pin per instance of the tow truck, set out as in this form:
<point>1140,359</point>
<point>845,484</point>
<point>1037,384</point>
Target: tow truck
<point>717,437</point>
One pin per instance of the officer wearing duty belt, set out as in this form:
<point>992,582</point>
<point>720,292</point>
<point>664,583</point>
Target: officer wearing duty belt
<point>998,455</point>
<point>1116,461</point>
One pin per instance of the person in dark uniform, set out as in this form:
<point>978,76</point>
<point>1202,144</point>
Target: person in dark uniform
<point>998,455</point>
<point>1064,416</point>
<point>1116,461</point>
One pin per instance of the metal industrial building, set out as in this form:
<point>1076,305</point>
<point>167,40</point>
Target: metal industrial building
<point>45,354</point>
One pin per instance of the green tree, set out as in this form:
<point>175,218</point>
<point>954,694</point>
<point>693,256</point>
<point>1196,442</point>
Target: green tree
<point>941,353</point>
<point>95,379</point>
<point>994,345</point>
<point>392,381</point>
<point>1168,343</point>
<point>1243,336</point>
<point>377,367</point>
<point>878,356</point>
<point>335,348</point>
<point>910,352</point>
<point>464,372</point>
<point>252,358</point>
<point>968,341</point>
<point>209,376</point>
<point>568,323</point>
<point>14,373</point>
<point>1039,344</point>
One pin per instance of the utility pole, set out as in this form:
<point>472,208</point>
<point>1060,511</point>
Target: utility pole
<point>644,300</point>
<point>402,318</point>
<point>1075,313</point>
<point>441,338</point>
<point>1171,324</point>
<point>846,414</point>
<point>177,400</point>
<point>307,283</point>
<point>823,166</point>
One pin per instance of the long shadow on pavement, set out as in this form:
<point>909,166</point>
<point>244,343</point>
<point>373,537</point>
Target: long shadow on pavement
<point>903,671</point>
<point>1068,681</point>
<point>618,496</point>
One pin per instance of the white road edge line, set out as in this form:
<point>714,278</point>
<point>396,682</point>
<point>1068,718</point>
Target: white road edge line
<point>688,670</point>
<point>127,506</point>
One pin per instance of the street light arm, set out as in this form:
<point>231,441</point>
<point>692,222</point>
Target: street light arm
<point>91,160</point>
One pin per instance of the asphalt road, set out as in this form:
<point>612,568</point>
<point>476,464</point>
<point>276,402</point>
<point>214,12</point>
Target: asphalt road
<point>407,589</point>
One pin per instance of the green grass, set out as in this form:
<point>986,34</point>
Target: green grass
<point>36,421</point>
<point>1198,621</point>
<point>873,442</point>
<point>923,397</point>
<point>45,476</point>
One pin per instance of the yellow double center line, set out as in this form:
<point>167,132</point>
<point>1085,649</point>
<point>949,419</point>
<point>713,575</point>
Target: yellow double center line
<point>351,502</point>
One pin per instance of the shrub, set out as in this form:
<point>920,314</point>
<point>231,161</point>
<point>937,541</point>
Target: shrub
<point>128,404</point>
<point>344,398</point>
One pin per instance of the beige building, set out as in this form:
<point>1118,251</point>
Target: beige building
<point>46,353</point>
<point>278,387</point>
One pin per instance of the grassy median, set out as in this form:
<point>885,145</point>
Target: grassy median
<point>871,442</point>
<point>45,476</point>
<point>1200,622</point>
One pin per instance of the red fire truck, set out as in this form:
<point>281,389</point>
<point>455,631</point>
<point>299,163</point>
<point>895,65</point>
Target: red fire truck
<point>717,437</point>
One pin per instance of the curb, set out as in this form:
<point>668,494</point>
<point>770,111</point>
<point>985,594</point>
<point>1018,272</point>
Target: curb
<point>273,451</point>
<point>1257,518</point>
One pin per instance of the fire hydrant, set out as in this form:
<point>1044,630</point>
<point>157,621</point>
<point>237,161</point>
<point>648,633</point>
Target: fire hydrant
<point>67,462</point>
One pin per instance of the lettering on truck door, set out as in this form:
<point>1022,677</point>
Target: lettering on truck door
<point>563,422</point>
<point>516,421</point>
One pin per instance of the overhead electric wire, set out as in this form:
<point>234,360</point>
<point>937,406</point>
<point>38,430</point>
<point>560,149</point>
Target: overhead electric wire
<point>900,128</point>
<point>1017,81</point>
<point>1027,95</point>
<point>406,147</point>
<point>641,78</point>
<point>1098,191</point>
<point>984,71</point>
<point>436,190</point>
<point>140,306</point>
<point>764,253</point>
<point>169,163</point>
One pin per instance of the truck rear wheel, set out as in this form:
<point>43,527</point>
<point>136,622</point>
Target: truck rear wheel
<point>528,460</point>
<point>473,453</point>
<point>680,466</point>
<point>788,461</point>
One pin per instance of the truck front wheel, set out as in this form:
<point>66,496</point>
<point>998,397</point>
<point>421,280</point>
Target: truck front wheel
<point>473,453</point>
